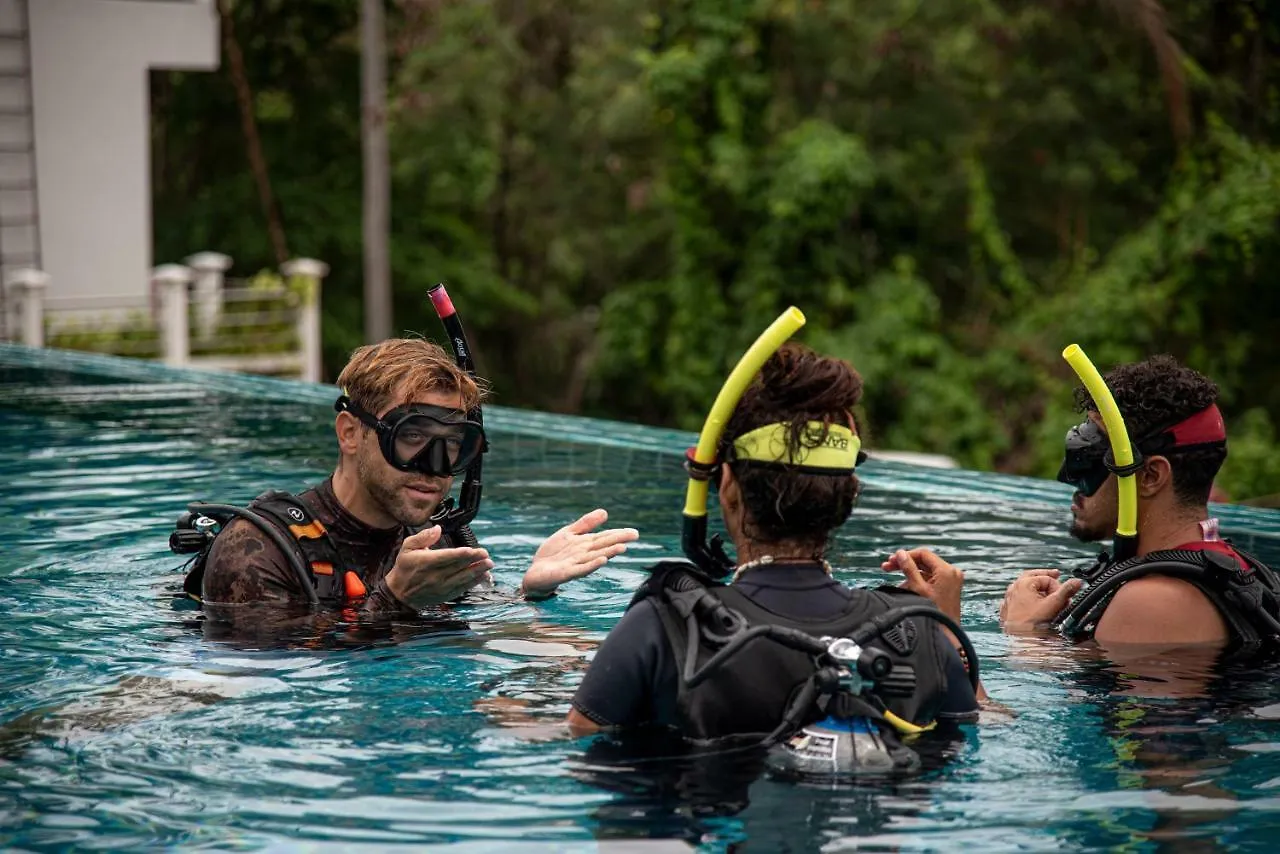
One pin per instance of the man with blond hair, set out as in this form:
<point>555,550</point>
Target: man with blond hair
<point>364,535</point>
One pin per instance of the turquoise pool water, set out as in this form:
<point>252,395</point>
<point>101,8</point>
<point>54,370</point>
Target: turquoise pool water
<point>122,727</point>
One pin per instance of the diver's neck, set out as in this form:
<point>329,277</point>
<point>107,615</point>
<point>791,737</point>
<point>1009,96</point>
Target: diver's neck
<point>1170,528</point>
<point>753,552</point>
<point>356,499</point>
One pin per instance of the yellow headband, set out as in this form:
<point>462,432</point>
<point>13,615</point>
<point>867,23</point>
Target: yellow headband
<point>838,451</point>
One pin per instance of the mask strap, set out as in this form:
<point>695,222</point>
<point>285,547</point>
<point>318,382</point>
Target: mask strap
<point>1124,471</point>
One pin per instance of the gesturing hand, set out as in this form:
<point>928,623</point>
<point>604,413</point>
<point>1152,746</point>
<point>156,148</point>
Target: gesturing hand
<point>930,576</point>
<point>574,551</point>
<point>424,576</point>
<point>1035,598</point>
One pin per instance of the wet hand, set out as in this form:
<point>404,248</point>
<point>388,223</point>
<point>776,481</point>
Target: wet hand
<point>423,576</point>
<point>1035,598</point>
<point>575,550</point>
<point>930,576</point>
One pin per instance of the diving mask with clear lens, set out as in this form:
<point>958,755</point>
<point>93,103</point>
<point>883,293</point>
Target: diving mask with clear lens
<point>420,437</point>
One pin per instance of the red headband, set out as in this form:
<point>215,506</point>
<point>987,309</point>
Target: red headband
<point>1203,428</point>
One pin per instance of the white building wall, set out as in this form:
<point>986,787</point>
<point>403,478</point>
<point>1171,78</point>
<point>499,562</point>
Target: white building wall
<point>19,232</point>
<point>90,84</point>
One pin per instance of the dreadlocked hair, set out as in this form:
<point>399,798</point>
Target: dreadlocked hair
<point>1155,394</point>
<point>795,387</point>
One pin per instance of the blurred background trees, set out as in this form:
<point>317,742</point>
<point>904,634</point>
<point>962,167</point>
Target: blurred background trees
<point>623,192</point>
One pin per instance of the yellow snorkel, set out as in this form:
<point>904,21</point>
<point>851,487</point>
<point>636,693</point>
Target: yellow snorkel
<point>710,557</point>
<point>1126,541</point>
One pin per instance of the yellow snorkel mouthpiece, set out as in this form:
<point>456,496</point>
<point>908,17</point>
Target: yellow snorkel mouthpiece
<point>710,557</point>
<point>1126,542</point>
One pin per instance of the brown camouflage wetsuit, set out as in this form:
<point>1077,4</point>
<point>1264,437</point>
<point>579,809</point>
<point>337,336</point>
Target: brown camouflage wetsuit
<point>244,566</point>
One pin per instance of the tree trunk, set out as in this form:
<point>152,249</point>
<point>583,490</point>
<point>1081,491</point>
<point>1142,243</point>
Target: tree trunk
<point>249,124</point>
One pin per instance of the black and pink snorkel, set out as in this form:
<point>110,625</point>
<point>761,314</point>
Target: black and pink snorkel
<point>455,518</point>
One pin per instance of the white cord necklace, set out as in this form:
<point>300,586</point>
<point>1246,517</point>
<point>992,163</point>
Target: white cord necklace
<point>765,560</point>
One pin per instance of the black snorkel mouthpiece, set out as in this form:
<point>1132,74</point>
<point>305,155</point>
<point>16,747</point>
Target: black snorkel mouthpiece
<point>455,518</point>
<point>708,555</point>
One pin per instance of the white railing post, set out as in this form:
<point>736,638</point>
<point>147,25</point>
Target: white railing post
<point>27,286</point>
<point>304,276</point>
<point>172,280</point>
<point>210,269</point>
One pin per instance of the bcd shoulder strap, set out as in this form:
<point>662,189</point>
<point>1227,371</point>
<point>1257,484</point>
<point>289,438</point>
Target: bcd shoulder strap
<point>1246,597</point>
<point>332,580</point>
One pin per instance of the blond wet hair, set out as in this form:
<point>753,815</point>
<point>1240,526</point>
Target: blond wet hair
<point>376,375</point>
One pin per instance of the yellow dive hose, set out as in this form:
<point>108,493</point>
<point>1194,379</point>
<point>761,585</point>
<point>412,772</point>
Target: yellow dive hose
<point>695,500</point>
<point>1121,449</point>
<point>906,727</point>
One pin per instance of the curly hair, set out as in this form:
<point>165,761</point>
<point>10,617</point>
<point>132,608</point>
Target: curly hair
<point>795,387</point>
<point>1155,394</point>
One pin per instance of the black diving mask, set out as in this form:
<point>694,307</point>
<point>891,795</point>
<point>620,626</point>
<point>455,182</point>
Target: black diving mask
<point>1084,464</point>
<point>420,437</point>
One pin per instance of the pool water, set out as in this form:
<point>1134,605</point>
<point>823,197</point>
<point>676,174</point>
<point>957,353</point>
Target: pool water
<point>121,726</point>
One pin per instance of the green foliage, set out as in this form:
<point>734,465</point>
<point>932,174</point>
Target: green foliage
<point>261,325</point>
<point>133,334</point>
<point>1253,467</point>
<point>622,193</point>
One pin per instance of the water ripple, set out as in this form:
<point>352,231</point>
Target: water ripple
<point>121,726</point>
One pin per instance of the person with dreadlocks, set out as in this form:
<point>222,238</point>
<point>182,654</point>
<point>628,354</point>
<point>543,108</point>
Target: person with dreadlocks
<point>785,475</point>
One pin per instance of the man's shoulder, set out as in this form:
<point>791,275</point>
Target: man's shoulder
<point>1161,609</point>
<point>235,535</point>
<point>242,543</point>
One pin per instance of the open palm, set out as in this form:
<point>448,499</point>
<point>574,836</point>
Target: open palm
<point>575,550</point>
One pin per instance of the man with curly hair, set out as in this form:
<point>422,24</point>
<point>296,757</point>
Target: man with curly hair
<point>1172,418</point>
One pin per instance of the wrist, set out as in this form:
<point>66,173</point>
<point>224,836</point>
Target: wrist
<point>1027,625</point>
<point>537,594</point>
<point>383,600</point>
<point>405,596</point>
<point>391,581</point>
<point>536,583</point>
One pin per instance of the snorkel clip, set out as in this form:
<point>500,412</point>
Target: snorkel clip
<point>1128,470</point>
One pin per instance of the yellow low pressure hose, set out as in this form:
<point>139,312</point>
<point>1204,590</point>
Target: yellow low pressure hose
<point>1121,449</point>
<point>906,727</point>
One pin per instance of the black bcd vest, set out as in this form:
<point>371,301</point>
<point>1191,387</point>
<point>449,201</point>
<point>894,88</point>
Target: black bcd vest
<point>750,694</point>
<point>312,550</point>
<point>311,546</point>
<point>1247,597</point>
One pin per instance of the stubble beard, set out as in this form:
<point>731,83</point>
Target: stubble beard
<point>386,487</point>
<point>1087,533</point>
